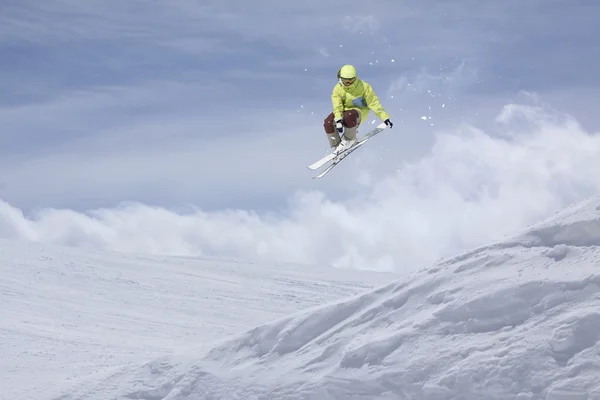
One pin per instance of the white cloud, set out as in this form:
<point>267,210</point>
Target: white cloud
<point>362,23</point>
<point>463,75</point>
<point>140,100</point>
<point>473,187</point>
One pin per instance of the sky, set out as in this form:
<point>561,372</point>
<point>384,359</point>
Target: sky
<point>186,127</point>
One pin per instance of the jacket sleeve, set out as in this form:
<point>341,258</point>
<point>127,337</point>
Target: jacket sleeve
<point>338,103</point>
<point>373,103</point>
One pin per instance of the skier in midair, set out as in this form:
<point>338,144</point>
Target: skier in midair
<point>352,100</point>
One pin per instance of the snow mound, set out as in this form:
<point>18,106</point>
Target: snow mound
<point>514,320</point>
<point>67,313</point>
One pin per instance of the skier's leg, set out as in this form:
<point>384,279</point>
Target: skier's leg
<point>348,139</point>
<point>332,135</point>
<point>351,122</point>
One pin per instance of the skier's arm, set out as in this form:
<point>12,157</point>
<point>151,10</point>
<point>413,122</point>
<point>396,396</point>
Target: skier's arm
<point>338,104</point>
<point>373,103</point>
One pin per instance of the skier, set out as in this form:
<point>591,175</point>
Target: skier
<point>352,100</point>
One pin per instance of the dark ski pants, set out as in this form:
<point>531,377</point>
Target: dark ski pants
<point>351,122</point>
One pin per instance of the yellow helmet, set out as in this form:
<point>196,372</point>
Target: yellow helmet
<point>347,75</point>
<point>347,72</point>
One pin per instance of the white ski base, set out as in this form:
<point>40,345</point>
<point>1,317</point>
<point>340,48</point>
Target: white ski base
<point>337,158</point>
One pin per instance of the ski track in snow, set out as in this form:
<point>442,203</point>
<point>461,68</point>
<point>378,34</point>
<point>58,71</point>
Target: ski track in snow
<point>67,314</point>
<point>514,320</point>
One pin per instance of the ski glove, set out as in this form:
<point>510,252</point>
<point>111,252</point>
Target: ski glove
<point>388,123</point>
<point>339,126</point>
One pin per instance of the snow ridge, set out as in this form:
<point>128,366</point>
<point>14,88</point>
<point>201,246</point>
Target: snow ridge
<point>514,320</point>
<point>68,313</point>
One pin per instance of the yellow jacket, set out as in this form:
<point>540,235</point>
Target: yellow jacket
<point>360,96</point>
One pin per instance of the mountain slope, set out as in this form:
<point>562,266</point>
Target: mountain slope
<point>514,320</point>
<point>68,313</point>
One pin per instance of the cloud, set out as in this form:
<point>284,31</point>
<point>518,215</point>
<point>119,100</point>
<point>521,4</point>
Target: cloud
<point>474,186</point>
<point>366,23</point>
<point>220,105</point>
<point>449,81</point>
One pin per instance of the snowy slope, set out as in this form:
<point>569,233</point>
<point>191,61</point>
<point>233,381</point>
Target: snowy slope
<point>514,320</point>
<point>68,313</point>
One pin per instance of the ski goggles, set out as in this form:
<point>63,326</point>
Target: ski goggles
<point>347,81</point>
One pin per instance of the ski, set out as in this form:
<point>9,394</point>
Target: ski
<point>339,157</point>
<point>319,163</point>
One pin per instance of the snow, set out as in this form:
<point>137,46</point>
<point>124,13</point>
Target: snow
<point>517,319</point>
<point>67,314</point>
